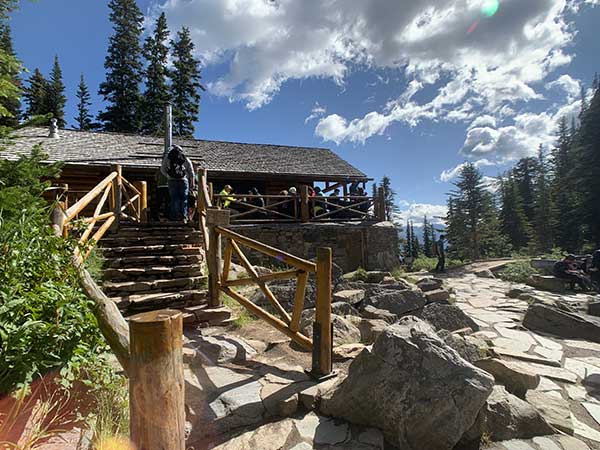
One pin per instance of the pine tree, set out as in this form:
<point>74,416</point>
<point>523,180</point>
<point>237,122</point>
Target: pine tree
<point>36,95</point>
<point>543,222</point>
<point>408,250</point>
<point>389,196</point>
<point>524,174</point>
<point>568,232</point>
<point>584,103</point>
<point>10,69</point>
<point>513,220</point>
<point>473,228</point>
<point>56,100</point>
<point>157,92</point>
<point>123,69</point>
<point>427,242</point>
<point>185,83</point>
<point>588,165</point>
<point>415,246</point>
<point>83,118</point>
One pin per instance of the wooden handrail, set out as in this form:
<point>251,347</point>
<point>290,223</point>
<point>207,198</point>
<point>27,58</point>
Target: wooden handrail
<point>280,255</point>
<point>87,198</point>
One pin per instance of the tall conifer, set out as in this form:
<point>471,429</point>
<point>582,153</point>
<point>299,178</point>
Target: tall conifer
<point>36,95</point>
<point>123,69</point>
<point>83,118</point>
<point>10,69</point>
<point>56,100</point>
<point>157,93</point>
<point>544,206</point>
<point>185,84</point>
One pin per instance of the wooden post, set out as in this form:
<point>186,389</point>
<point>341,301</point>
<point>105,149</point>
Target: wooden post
<point>116,203</point>
<point>215,218</point>
<point>156,383</point>
<point>58,219</point>
<point>322,333</point>
<point>142,186</point>
<point>381,202</point>
<point>304,207</point>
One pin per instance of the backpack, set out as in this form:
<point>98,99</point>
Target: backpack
<point>176,166</point>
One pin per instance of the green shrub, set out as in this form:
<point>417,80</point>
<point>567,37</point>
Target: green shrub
<point>46,321</point>
<point>428,264</point>
<point>517,272</point>
<point>359,274</point>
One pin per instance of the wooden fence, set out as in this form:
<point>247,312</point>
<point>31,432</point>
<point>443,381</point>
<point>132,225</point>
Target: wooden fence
<point>225,244</point>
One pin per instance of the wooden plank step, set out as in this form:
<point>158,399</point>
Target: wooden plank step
<point>119,289</point>
<point>131,241</point>
<point>143,260</point>
<point>150,272</point>
<point>146,302</point>
<point>163,249</point>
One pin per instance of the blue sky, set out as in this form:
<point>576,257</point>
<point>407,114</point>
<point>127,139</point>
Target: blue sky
<point>397,87</point>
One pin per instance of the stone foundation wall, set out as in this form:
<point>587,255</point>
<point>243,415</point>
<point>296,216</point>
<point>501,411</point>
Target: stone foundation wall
<point>368,245</point>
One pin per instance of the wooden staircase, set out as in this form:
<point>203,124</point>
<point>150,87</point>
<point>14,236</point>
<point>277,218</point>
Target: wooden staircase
<point>158,265</point>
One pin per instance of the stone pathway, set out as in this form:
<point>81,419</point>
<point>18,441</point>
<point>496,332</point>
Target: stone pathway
<point>569,369</point>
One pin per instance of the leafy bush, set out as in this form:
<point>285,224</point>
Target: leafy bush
<point>359,274</point>
<point>517,272</point>
<point>428,264</point>
<point>46,321</point>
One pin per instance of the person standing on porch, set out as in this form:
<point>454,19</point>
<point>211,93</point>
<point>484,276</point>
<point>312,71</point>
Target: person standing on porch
<point>180,174</point>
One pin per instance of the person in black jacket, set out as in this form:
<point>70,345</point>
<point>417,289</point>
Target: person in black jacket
<point>566,269</point>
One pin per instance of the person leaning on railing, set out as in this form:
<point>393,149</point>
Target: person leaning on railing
<point>225,197</point>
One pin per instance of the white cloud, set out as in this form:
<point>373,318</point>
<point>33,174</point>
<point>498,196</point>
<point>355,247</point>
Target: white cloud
<point>266,43</point>
<point>316,112</point>
<point>569,85</point>
<point>450,174</point>
<point>416,211</point>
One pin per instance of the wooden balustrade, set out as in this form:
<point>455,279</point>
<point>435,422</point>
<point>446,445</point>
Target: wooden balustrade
<point>107,194</point>
<point>217,221</point>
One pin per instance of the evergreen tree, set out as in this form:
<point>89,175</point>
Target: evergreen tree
<point>427,239</point>
<point>588,164</point>
<point>56,100</point>
<point>36,95</point>
<point>157,93</point>
<point>473,228</point>
<point>513,220</point>
<point>569,230</point>
<point>123,69</point>
<point>389,196</point>
<point>83,118</point>
<point>524,175</point>
<point>415,246</point>
<point>10,69</point>
<point>185,83</point>
<point>408,250</point>
<point>544,221</point>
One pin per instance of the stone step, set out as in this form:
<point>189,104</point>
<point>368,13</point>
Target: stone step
<point>119,289</point>
<point>150,272</point>
<point>148,260</point>
<point>205,315</point>
<point>142,239</point>
<point>160,249</point>
<point>135,303</point>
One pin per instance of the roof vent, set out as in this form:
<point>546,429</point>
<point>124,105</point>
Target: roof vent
<point>53,129</point>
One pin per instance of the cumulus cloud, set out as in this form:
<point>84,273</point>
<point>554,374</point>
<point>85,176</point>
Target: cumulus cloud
<point>569,85</point>
<point>450,174</point>
<point>416,211</point>
<point>315,113</point>
<point>264,43</point>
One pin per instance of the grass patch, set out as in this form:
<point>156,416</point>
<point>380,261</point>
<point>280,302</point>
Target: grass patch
<point>243,317</point>
<point>517,272</point>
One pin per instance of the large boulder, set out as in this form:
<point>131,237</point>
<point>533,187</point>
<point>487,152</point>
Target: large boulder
<point>370,329</point>
<point>413,387</point>
<point>470,348</point>
<point>370,312</point>
<point>547,283</point>
<point>430,284</point>
<point>514,377</point>
<point>555,319</point>
<point>506,417</point>
<point>554,409</point>
<point>437,296</point>
<point>447,317</point>
<point>352,296</point>
<point>343,309</point>
<point>398,302</point>
<point>544,266</point>
<point>344,331</point>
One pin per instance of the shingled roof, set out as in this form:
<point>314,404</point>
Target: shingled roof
<point>129,150</point>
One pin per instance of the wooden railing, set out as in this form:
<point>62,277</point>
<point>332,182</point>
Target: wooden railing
<point>219,266</point>
<point>113,199</point>
<point>301,208</point>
